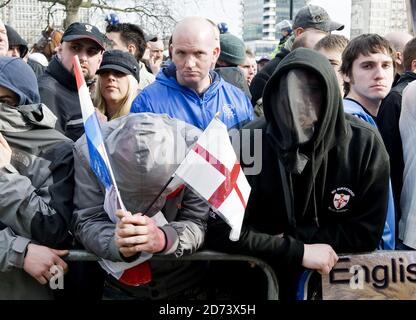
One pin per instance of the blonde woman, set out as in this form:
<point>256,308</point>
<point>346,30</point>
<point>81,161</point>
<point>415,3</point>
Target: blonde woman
<point>117,84</point>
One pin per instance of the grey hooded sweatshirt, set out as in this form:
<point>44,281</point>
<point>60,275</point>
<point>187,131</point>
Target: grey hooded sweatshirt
<point>36,188</point>
<point>145,149</point>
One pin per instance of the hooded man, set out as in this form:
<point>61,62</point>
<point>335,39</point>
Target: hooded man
<point>325,174</point>
<point>36,186</point>
<point>145,150</point>
<point>17,45</point>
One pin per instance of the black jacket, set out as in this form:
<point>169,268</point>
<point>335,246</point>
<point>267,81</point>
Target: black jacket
<point>58,90</point>
<point>286,210</point>
<point>260,79</point>
<point>388,124</point>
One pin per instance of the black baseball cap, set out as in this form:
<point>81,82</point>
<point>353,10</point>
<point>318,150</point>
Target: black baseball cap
<point>78,30</point>
<point>121,61</point>
<point>150,37</point>
<point>316,17</point>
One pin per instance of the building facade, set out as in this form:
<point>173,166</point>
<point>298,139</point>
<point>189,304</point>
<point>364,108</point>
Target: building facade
<point>30,17</point>
<point>378,16</point>
<point>283,11</point>
<point>259,22</point>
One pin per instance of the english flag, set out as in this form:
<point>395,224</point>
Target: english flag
<point>211,169</point>
<point>137,272</point>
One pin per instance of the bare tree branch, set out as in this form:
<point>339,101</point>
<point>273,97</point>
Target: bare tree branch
<point>157,13</point>
<point>62,2</point>
<point>4,3</point>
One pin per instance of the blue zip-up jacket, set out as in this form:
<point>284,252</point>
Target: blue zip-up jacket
<point>388,239</point>
<point>167,96</point>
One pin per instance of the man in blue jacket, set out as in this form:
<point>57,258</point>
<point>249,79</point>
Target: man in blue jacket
<point>188,89</point>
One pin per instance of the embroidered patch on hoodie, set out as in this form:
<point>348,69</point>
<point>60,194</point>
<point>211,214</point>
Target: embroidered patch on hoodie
<point>341,199</point>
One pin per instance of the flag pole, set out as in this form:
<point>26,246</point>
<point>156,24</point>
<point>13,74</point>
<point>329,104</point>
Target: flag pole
<point>158,196</point>
<point>217,115</point>
<point>80,82</point>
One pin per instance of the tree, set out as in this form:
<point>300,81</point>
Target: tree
<point>4,3</point>
<point>157,13</point>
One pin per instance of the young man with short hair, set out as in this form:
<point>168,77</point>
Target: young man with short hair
<point>368,70</point>
<point>332,46</point>
<point>131,38</point>
<point>57,86</point>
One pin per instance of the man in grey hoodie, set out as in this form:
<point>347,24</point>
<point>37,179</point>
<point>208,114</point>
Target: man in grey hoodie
<point>36,187</point>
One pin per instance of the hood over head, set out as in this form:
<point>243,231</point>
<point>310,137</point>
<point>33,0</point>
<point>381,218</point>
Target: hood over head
<point>18,77</point>
<point>305,119</point>
<point>301,79</point>
<point>145,149</point>
<point>16,40</point>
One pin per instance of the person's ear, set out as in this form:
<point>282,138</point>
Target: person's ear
<point>346,78</point>
<point>58,51</point>
<point>216,52</point>
<point>399,58</point>
<point>414,65</point>
<point>101,58</point>
<point>132,49</point>
<point>299,31</point>
<point>215,56</point>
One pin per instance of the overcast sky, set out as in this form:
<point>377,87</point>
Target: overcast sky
<point>230,11</point>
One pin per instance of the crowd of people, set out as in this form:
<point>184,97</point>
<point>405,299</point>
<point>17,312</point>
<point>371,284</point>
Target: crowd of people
<point>335,144</point>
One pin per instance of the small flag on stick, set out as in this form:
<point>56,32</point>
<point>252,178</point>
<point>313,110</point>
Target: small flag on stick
<point>137,272</point>
<point>211,169</point>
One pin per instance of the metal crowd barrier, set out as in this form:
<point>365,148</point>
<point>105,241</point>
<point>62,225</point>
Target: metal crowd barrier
<point>206,255</point>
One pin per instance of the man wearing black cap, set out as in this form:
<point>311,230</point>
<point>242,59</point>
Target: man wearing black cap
<point>17,45</point>
<point>309,18</point>
<point>58,88</point>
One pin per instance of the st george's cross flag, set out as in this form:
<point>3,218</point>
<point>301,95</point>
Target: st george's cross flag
<point>211,170</point>
<point>137,272</point>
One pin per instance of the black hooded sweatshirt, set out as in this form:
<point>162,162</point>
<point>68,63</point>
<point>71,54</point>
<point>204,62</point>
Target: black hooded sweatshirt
<point>285,210</point>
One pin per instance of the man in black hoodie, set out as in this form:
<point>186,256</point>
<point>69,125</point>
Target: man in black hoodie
<point>324,180</point>
<point>17,45</point>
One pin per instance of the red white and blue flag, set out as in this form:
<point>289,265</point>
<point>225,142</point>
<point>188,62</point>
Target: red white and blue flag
<point>138,271</point>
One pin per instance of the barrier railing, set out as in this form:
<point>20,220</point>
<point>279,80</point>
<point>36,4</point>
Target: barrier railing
<point>203,255</point>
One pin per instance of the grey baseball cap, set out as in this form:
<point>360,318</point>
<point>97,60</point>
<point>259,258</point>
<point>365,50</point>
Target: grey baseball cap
<point>316,17</point>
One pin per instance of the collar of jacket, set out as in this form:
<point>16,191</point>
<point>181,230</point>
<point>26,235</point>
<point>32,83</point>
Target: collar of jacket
<point>25,117</point>
<point>407,76</point>
<point>61,74</point>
